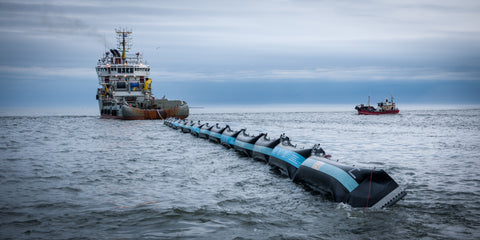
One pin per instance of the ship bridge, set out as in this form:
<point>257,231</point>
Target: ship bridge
<point>119,71</point>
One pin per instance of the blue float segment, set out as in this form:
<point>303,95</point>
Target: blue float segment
<point>244,145</point>
<point>343,177</point>
<point>262,149</point>
<point>215,134</point>
<point>205,131</point>
<point>288,156</point>
<point>228,139</point>
<point>196,129</point>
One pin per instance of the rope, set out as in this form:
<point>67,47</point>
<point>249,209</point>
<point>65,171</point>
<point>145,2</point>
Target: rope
<point>369,187</point>
<point>159,114</point>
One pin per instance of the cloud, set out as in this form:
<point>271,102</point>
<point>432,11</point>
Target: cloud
<point>272,40</point>
<point>36,73</point>
<point>265,25</point>
<point>46,19</point>
<point>357,74</point>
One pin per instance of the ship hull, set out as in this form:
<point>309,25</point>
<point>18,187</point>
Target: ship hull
<point>134,113</point>
<point>366,112</point>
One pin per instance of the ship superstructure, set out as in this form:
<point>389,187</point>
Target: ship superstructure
<point>125,91</point>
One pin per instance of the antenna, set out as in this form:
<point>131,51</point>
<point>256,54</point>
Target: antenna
<point>104,42</point>
<point>124,40</point>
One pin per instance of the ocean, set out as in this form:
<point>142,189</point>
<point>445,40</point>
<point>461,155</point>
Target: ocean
<point>69,174</point>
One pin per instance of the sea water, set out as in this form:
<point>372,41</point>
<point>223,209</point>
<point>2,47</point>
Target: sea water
<point>75,175</point>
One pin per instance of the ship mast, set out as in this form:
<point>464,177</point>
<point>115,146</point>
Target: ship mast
<point>124,36</point>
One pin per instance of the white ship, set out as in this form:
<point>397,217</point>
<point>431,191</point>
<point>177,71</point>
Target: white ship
<point>125,91</point>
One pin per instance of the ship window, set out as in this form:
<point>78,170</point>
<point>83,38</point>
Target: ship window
<point>121,85</point>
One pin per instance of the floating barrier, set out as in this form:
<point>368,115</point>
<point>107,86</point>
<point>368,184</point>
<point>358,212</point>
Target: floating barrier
<point>356,186</point>
<point>195,129</point>
<point>263,148</point>
<point>228,137</point>
<point>216,133</point>
<point>205,131</point>
<point>186,127</point>
<point>287,158</point>
<point>311,167</point>
<point>244,143</point>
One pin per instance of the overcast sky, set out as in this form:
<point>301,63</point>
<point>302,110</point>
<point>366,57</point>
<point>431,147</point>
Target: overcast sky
<point>50,48</point>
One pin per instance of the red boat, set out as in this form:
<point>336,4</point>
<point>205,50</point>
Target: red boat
<point>383,108</point>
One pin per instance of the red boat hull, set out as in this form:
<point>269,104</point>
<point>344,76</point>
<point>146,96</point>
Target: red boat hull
<point>365,112</point>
